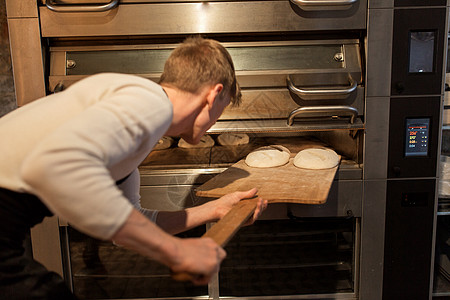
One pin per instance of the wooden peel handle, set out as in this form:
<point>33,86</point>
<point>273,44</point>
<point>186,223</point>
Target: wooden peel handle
<point>225,229</point>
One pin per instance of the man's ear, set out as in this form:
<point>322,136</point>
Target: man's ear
<point>213,93</point>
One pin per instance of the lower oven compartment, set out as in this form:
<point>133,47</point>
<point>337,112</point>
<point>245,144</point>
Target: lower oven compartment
<point>298,256</point>
<point>294,251</point>
<point>102,270</point>
<point>290,259</point>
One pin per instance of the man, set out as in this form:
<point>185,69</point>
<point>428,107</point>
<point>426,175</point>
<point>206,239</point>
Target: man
<point>75,154</point>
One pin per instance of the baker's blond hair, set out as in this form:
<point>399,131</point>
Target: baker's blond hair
<point>199,62</point>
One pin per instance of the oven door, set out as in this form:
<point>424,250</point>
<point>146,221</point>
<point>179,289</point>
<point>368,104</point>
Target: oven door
<point>283,83</point>
<point>111,18</point>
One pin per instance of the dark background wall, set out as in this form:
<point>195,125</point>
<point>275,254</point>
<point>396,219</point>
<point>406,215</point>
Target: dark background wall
<point>7,97</point>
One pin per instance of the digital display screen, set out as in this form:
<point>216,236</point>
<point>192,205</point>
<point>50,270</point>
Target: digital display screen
<point>417,137</point>
<point>421,51</point>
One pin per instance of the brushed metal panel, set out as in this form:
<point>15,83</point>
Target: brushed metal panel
<point>58,64</point>
<point>278,103</point>
<point>46,244</point>
<point>205,17</point>
<point>21,9</point>
<point>381,4</point>
<point>379,52</point>
<point>376,139</point>
<point>26,56</point>
<point>344,200</point>
<point>258,64</point>
<point>372,240</point>
<point>151,177</point>
<point>250,58</point>
<point>278,126</point>
<point>169,198</point>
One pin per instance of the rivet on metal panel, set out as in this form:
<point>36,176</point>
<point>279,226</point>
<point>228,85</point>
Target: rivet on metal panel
<point>339,57</point>
<point>70,64</point>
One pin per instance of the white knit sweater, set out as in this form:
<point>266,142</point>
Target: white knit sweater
<point>70,148</point>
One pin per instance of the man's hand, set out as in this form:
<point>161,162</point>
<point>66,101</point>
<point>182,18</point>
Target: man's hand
<point>200,257</point>
<point>224,204</point>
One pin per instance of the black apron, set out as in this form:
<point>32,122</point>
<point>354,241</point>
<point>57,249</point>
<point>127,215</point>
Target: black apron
<point>21,277</point>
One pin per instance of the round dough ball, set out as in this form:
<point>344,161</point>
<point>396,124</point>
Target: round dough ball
<point>316,158</point>
<point>233,139</point>
<point>163,143</point>
<point>205,141</point>
<point>268,157</point>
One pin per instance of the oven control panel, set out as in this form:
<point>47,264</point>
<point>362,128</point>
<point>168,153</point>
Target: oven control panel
<point>413,136</point>
<point>416,137</point>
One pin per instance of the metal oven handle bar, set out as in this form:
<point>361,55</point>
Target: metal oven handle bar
<point>323,2</point>
<point>323,111</point>
<point>314,94</point>
<point>81,8</point>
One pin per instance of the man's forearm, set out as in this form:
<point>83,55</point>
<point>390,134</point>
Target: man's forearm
<point>174,222</point>
<point>178,221</point>
<point>144,237</point>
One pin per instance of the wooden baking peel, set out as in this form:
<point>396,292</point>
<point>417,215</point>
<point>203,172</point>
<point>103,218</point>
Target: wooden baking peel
<point>284,184</point>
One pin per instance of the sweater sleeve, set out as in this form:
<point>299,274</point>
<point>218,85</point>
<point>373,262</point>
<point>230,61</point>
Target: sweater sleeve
<point>70,170</point>
<point>130,189</point>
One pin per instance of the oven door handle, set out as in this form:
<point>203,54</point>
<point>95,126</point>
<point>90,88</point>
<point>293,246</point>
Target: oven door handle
<point>317,93</point>
<point>333,111</point>
<point>81,8</point>
<point>323,3</point>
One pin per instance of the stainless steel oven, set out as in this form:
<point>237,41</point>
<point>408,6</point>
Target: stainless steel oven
<point>354,75</point>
